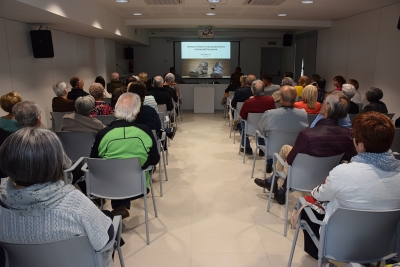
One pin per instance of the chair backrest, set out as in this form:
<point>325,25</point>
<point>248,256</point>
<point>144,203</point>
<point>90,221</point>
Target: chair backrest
<point>162,108</point>
<point>360,105</point>
<point>239,106</point>
<point>76,144</point>
<point>311,118</point>
<point>105,119</point>
<point>231,94</point>
<point>107,100</point>
<point>115,178</point>
<point>277,139</point>
<point>352,116</point>
<point>56,120</point>
<point>395,147</point>
<point>157,140</point>
<point>162,119</point>
<point>390,115</point>
<point>252,123</point>
<point>277,104</point>
<point>307,171</point>
<point>76,251</point>
<point>361,236</point>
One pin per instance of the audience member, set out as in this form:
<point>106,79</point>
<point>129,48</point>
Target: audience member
<point>129,140</point>
<point>82,120</point>
<point>357,97</point>
<point>7,102</point>
<point>144,79</point>
<point>338,81</point>
<point>277,95</point>
<point>309,100</point>
<point>147,115</point>
<point>349,90</point>
<point>314,78</point>
<point>321,83</point>
<point>258,103</point>
<point>374,96</point>
<point>160,95</point>
<point>374,169</point>
<point>100,107</point>
<point>114,84</point>
<point>119,91</point>
<point>326,139</point>
<point>178,77</point>
<point>169,86</point>
<point>289,74</point>
<point>285,119</point>
<point>100,80</point>
<point>242,95</point>
<point>61,103</point>
<point>34,194</point>
<point>270,88</point>
<point>303,81</point>
<point>77,88</point>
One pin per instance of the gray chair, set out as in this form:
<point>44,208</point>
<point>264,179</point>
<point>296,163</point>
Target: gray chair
<point>311,118</point>
<point>305,173</point>
<point>250,128</point>
<point>56,120</point>
<point>352,116</point>
<point>360,106</point>
<point>236,115</point>
<point>390,115</point>
<point>160,149</point>
<point>353,235</point>
<point>118,179</point>
<point>107,100</point>
<point>105,119</point>
<point>273,144</point>
<point>395,147</point>
<point>76,144</point>
<point>75,251</point>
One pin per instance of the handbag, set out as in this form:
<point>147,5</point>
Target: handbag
<point>313,203</point>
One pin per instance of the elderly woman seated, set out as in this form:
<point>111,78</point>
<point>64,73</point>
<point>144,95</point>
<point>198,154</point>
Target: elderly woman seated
<point>7,102</point>
<point>61,103</point>
<point>309,100</point>
<point>34,194</point>
<point>374,96</point>
<point>82,120</point>
<point>100,107</point>
<point>373,169</point>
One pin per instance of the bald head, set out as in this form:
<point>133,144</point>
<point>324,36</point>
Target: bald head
<point>115,76</point>
<point>288,96</point>
<point>250,79</point>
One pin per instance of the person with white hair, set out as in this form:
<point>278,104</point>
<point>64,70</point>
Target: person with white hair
<point>349,90</point>
<point>170,86</point>
<point>114,84</point>
<point>61,103</point>
<point>124,138</point>
<point>160,95</point>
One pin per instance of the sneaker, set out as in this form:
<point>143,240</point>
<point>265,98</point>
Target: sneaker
<point>269,168</point>
<point>281,199</point>
<point>249,151</point>
<point>261,153</point>
<point>265,184</point>
<point>121,210</point>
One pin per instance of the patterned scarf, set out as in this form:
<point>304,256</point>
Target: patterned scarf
<point>34,200</point>
<point>383,161</point>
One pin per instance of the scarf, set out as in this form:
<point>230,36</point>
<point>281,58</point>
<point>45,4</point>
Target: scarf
<point>34,200</point>
<point>383,161</point>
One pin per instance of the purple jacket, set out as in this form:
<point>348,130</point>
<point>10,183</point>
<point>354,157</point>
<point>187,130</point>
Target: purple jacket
<point>326,139</point>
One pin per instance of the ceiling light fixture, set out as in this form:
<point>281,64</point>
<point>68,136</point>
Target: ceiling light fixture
<point>282,15</point>
<point>137,14</point>
<point>214,1</point>
<point>210,14</point>
<point>307,2</point>
<point>122,1</point>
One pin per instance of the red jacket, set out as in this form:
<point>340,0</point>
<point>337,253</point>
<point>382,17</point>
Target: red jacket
<point>326,139</point>
<point>257,104</point>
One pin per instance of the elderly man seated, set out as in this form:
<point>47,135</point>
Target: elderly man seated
<point>124,138</point>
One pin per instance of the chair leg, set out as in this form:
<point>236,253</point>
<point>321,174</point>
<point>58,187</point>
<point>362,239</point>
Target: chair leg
<point>146,218</point>
<point>294,244</point>
<point>244,148</point>
<point>265,170</point>
<point>286,211</point>
<point>160,177</point>
<point>270,193</point>
<point>152,196</point>
<point>121,259</point>
<point>254,162</point>
<point>165,166</point>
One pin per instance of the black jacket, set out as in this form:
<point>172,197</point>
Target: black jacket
<point>162,97</point>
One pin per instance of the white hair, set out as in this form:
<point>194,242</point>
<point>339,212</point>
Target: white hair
<point>127,107</point>
<point>349,90</point>
<point>158,81</point>
<point>169,78</point>
<point>59,88</point>
<point>84,105</point>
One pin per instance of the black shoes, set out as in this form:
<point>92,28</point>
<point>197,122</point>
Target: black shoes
<point>170,132</point>
<point>265,184</point>
<point>261,153</point>
<point>249,151</point>
<point>281,199</point>
<point>269,168</point>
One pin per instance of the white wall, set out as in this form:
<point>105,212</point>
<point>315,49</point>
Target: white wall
<point>33,78</point>
<point>365,47</point>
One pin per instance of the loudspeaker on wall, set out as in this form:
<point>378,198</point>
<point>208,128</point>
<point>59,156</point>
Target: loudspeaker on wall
<point>129,53</point>
<point>287,39</point>
<point>398,24</point>
<point>42,44</point>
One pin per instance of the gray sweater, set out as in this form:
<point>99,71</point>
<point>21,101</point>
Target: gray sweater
<point>75,122</point>
<point>283,119</point>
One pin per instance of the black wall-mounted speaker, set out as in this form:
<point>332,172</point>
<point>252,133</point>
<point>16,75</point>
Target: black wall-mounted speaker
<point>42,44</point>
<point>287,39</point>
<point>129,53</point>
<point>398,24</point>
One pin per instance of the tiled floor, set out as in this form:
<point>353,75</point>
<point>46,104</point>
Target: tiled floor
<point>212,213</point>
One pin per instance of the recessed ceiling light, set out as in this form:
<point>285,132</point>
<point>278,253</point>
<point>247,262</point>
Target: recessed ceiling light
<point>307,2</point>
<point>214,1</point>
<point>210,14</point>
<point>137,14</point>
<point>122,1</point>
<point>282,15</point>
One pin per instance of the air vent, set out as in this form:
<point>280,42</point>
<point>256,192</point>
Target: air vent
<point>263,2</point>
<point>163,2</point>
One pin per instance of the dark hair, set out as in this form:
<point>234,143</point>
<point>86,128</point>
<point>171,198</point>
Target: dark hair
<point>288,74</point>
<point>315,78</point>
<point>74,81</point>
<point>339,79</point>
<point>138,88</point>
<point>321,83</point>
<point>374,130</point>
<point>130,80</point>
<point>171,69</point>
<point>240,69</point>
<point>100,79</point>
<point>266,76</point>
<point>354,83</point>
<point>374,94</point>
<point>32,156</point>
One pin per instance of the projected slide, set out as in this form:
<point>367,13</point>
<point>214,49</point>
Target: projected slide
<point>206,59</point>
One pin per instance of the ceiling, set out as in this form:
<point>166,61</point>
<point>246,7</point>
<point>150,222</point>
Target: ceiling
<point>182,18</point>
